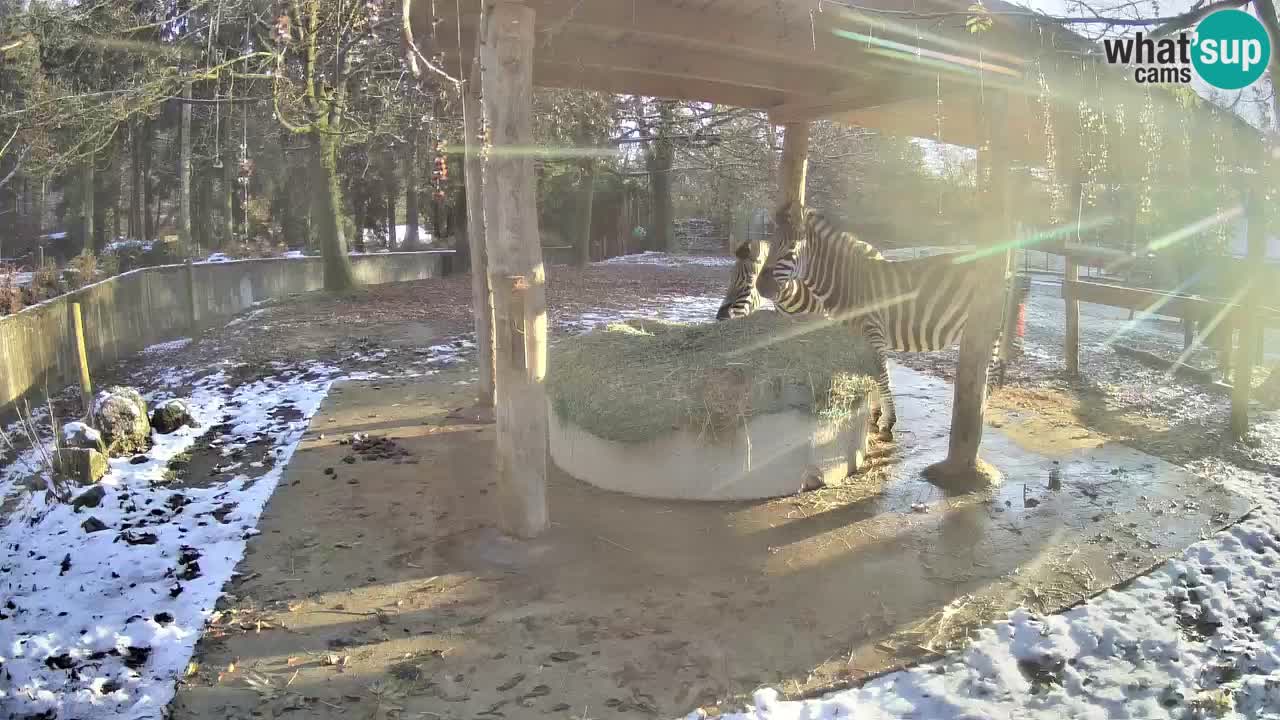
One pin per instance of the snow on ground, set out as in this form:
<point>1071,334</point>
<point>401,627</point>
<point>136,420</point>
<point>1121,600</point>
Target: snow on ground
<point>650,257</point>
<point>402,232</point>
<point>165,347</point>
<point>675,308</point>
<point>99,619</point>
<point>1198,637</point>
<point>101,607</point>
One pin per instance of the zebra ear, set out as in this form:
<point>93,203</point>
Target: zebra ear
<point>744,251</point>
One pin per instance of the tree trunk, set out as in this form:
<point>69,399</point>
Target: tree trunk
<point>184,176</point>
<point>148,221</point>
<point>135,181</point>
<point>516,272</point>
<point>662,157</point>
<point>473,184</point>
<point>115,216</point>
<point>101,203</point>
<point>42,201</point>
<point>202,220</point>
<point>338,273</point>
<point>230,173</point>
<point>586,198</point>
<point>392,192</point>
<point>87,193</point>
<point>411,189</point>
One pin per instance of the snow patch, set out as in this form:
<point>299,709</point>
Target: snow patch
<point>650,257</point>
<point>167,346</point>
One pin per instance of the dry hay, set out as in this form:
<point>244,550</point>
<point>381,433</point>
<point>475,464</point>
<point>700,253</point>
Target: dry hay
<point>641,379</point>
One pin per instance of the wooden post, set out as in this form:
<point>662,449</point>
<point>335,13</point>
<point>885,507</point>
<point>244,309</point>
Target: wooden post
<point>1249,324</point>
<point>1066,128</point>
<point>962,468</point>
<point>1071,273</point>
<point>516,273</point>
<point>795,162</point>
<point>82,354</point>
<point>481,297</point>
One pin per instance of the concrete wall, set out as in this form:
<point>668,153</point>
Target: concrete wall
<point>129,312</point>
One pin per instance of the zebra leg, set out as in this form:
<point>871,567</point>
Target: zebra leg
<point>996,368</point>
<point>885,419</point>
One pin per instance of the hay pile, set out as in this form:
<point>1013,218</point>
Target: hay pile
<point>641,379</point>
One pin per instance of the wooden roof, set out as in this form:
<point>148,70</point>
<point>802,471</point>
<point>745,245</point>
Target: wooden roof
<point>906,70</point>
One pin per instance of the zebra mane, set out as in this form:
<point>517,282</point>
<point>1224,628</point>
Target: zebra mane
<point>817,225</point>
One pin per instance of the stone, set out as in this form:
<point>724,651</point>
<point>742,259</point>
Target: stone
<point>80,435</point>
<point>90,498</point>
<point>122,417</point>
<point>170,416</point>
<point>93,525</point>
<point>83,465</point>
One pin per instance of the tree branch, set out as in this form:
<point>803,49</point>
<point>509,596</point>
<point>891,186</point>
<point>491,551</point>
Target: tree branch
<point>1168,24</point>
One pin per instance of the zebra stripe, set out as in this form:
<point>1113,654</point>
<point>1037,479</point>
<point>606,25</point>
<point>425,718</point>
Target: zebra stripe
<point>742,298</point>
<point>909,305</point>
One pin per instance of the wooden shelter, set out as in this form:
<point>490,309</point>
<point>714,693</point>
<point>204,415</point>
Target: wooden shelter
<point>908,68</point>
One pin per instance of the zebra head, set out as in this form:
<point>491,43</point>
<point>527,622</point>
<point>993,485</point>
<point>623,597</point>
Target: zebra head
<point>781,261</point>
<point>742,299</point>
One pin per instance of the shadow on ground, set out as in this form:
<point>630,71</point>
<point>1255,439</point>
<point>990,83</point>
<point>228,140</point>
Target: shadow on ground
<point>378,584</point>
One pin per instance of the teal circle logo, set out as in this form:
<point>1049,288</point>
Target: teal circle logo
<point>1231,49</point>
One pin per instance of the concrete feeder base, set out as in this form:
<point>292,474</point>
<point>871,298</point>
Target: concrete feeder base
<point>768,456</point>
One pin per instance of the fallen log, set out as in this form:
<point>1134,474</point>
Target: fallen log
<point>1195,374</point>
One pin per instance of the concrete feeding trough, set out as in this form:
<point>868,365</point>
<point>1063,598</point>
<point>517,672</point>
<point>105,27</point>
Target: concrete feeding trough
<point>718,411</point>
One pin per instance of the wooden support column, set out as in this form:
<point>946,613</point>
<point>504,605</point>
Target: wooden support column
<point>795,162</point>
<point>82,357</point>
<point>1071,349</point>
<point>962,469</point>
<point>481,297</point>
<point>516,273</point>
<point>1250,323</point>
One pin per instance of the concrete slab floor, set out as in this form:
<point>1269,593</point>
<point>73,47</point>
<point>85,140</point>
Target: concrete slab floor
<point>377,584</point>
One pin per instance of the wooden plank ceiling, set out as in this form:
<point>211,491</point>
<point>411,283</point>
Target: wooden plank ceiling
<point>905,71</point>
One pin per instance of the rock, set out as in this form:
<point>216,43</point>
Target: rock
<point>122,417</point>
<point>84,465</point>
<point>93,525</point>
<point>170,416</point>
<point>80,435</point>
<point>90,498</point>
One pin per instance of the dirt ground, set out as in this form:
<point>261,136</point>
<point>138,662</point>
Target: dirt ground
<point>379,590</point>
<point>378,584</point>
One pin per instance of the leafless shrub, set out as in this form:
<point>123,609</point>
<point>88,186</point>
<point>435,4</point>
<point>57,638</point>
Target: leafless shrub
<point>28,434</point>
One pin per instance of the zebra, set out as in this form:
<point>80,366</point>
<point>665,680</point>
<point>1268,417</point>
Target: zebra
<point>909,305</point>
<point>742,298</point>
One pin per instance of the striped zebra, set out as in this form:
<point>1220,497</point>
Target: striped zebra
<point>908,305</point>
<point>742,298</point>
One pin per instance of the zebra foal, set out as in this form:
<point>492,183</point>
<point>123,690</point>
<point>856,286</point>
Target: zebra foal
<point>907,305</point>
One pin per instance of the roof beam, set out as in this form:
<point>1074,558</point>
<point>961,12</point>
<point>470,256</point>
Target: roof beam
<point>786,35</point>
<point>623,57</point>
<point>880,93</point>
<point>558,75</point>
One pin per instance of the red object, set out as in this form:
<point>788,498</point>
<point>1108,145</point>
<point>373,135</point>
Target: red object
<point>1022,319</point>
